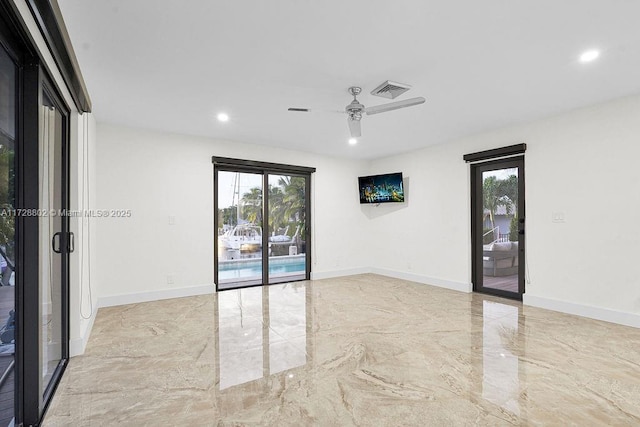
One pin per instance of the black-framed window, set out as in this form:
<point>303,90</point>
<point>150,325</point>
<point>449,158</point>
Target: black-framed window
<point>262,223</point>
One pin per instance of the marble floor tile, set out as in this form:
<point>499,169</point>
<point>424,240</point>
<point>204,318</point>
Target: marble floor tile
<point>362,350</point>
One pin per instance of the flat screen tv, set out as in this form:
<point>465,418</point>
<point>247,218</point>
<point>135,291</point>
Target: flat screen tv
<point>387,188</point>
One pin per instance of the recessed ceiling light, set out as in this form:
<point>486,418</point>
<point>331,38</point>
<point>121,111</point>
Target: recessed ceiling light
<point>353,141</point>
<point>223,117</point>
<point>589,55</point>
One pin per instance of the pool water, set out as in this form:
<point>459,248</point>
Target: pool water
<point>253,268</point>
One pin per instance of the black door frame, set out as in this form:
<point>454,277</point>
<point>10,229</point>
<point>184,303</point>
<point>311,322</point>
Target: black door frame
<point>30,404</point>
<point>65,239</point>
<point>265,169</point>
<point>477,221</point>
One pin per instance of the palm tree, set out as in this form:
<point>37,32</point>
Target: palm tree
<point>228,216</point>
<point>489,199</point>
<point>493,195</point>
<point>277,208</point>
<point>251,206</point>
<point>294,200</point>
<point>286,204</point>
<point>502,192</point>
<point>509,188</point>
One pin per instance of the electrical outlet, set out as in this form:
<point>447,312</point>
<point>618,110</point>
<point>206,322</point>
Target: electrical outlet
<point>169,280</point>
<point>557,217</point>
<point>172,220</point>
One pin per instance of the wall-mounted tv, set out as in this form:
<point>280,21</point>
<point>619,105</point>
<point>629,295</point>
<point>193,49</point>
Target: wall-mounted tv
<point>387,188</point>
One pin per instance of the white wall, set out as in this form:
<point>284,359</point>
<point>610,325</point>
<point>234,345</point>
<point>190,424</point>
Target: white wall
<point>157,175</point>
<point>583,163</point>
<point>83,298</point>
<point>428,235</point>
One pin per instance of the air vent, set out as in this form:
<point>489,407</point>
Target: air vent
<point>300,110</point>
<point>390,89</point>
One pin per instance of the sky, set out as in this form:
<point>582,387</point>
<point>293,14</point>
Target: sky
<point>227,182</point>
<point>500,173</point>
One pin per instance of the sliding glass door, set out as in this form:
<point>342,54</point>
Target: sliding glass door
<point>287,227</point>
<point>261,222</point>
<point>34,230</point>
<point>239,232</point>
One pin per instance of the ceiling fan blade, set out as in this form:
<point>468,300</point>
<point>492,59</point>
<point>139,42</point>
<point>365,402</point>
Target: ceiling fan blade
<point>354,128</point>
<point>394,105</point>
<point>312,110</point>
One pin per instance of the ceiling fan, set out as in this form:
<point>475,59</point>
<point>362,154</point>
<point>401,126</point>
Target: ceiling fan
<point>355,109</point>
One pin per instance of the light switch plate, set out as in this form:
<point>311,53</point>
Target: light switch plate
<point>557,217</point>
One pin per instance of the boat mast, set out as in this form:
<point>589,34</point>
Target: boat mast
<point>236,192</point>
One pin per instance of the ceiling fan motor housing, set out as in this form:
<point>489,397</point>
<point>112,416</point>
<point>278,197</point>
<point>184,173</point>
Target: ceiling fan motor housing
<point>355,91</point>
<point>354,109</point>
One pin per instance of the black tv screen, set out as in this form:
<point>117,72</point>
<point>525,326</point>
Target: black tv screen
<point>387,188</point>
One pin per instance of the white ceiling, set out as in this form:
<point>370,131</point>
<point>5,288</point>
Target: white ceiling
<point>173,65</point>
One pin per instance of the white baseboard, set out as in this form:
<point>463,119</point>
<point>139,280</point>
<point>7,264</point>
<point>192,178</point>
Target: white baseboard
<point>598,313</point>
<point>448,284</point>
<point>113,300</point>
<point>442,283</point>
<point>338,273</point>
<point>78,345</point>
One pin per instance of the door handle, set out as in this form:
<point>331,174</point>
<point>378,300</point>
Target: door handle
<point>71,244</point>
<point>521,232</point>
<point>56,239</point>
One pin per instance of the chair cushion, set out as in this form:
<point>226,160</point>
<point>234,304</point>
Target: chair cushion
<point>502,246</point>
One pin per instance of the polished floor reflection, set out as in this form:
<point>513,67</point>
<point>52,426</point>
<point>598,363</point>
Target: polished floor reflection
<point>359,350</point>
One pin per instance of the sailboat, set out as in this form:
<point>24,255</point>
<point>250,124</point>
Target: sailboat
<point>243,238</point>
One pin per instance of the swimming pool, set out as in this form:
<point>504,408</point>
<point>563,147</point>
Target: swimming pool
<point>248,268</point>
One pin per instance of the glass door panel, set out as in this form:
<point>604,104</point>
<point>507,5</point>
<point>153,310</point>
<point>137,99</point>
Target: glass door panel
<point>52,242</point>
<point>287,228</point>
<point>239,233</point>
<point>8,119</point>
<point>499,217</point>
